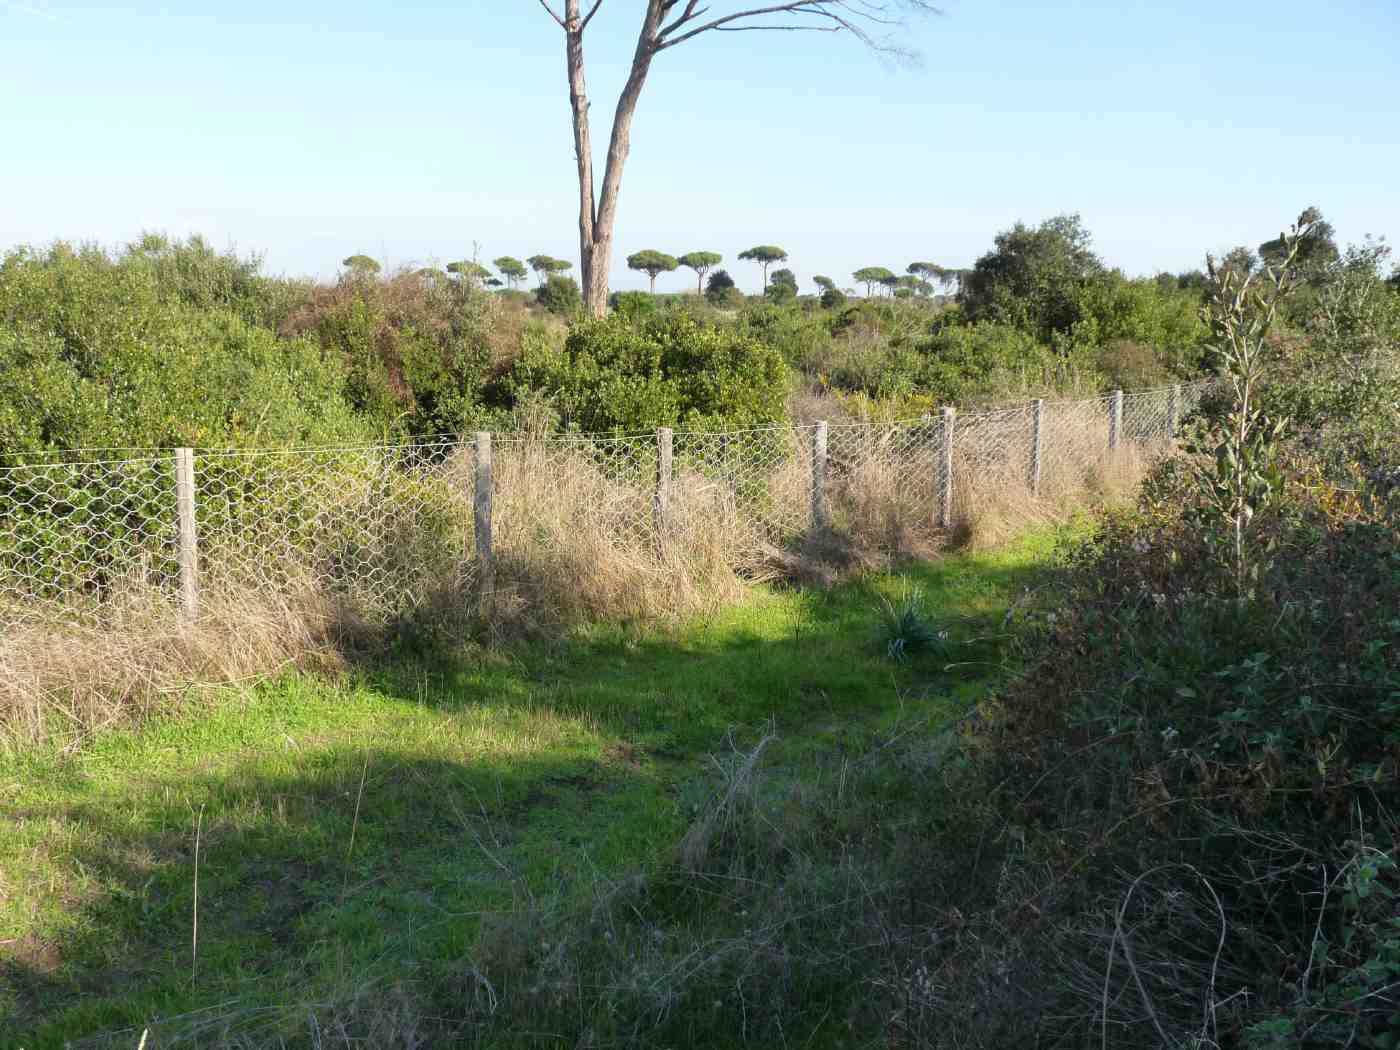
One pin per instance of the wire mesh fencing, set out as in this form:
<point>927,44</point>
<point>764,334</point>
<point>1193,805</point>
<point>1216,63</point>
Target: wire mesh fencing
<point>387,528</point>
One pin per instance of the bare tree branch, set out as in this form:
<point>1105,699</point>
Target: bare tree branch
<point>779,29</point>
<point>598,210</point>
<point>545,5</point>
<point>839,15</point>
<point>689,13</point>
<point>591,12</point>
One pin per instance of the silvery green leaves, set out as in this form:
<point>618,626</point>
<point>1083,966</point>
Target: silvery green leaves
<point>1241,476</point>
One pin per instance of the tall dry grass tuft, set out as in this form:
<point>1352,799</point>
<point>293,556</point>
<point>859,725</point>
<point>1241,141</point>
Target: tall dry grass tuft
<point>69,682</point>
<point>882,516</point>
<point>993,506</point>
<point>577,540</point>
<point>885,490</point>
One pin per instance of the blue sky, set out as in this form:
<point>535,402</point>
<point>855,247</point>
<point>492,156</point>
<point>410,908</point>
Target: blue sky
<point>311,130</point>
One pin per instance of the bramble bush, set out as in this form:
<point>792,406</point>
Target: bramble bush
<point>1202,757</point>
<point>1240,757</point>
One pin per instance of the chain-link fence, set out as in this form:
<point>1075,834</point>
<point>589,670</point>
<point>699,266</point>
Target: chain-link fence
<point>110,538</point>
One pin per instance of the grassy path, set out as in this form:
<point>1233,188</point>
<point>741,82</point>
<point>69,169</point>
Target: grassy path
<point>358,831</point>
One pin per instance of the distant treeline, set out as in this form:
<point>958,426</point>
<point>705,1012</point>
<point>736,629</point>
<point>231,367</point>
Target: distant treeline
<point>169,342</point>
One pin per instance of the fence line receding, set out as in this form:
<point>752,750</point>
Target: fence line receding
<point>103,540</point>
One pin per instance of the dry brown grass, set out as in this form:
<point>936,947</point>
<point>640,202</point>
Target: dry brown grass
<point>573,544</point>
<point>882,515</point>
<point>994,505</point>
<point>885,500</point>
<point>70,682</point>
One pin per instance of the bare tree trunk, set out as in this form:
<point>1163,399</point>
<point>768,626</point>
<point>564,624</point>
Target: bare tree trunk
<point>583,152</point>
<point>596,221</point>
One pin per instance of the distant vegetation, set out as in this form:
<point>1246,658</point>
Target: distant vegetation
<point>168,342</point>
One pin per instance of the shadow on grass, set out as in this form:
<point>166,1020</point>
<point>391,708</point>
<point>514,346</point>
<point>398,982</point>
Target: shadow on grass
<point>299,875</point>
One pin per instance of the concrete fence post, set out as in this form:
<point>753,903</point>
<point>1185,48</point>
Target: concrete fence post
<point>189,536</point>
<point>482,516</point>
<point>1115,420</point>
<point>819,476</point>
<point>1174,412</point>
<point>945,482</point>
<point>661,506</point>
<point>1037,442</point>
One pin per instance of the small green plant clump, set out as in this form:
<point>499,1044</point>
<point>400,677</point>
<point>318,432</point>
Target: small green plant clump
<point>905,629</point>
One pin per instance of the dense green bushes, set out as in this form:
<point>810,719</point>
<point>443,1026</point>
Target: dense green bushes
<point>1066,330</point>
<point>616,375</point>
<point>560,295</point>
<point>959,362</point>
<point>416,349</point>
<point>162,346</point>
<point>168,343</point>
<point>1046,281</point>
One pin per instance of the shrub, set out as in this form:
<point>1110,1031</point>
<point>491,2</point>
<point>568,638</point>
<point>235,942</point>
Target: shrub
<point>157,347</point>
<point>634,306</point>
<point>1048,282</point>
<point>1341,381</point>
<point>720,289</point>
<point>961,363</point>
<point>833,299</point>
<point>560,295</point>
<point>795,334</point>
<point>905,630</point>
<point>1195,760</point>
<point>613,375</point>
<point>1033,277</point>
<point>1113,309</point>
<point>417,352</point>
<point>782,286</point>
<point>1128,365</point>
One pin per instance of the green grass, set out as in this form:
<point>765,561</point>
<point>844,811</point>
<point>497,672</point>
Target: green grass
<point>358,831</point>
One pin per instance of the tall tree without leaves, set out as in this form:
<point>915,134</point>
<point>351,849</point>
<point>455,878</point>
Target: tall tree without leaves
<point>665,24</point>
